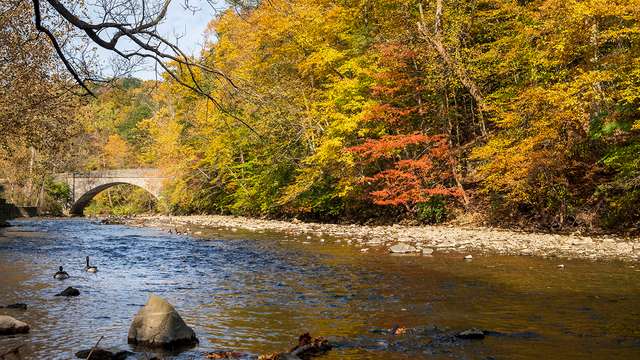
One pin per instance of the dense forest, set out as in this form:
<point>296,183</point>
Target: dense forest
<point>519,113</point>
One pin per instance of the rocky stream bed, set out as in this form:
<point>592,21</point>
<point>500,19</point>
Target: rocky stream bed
<point>426,240</point>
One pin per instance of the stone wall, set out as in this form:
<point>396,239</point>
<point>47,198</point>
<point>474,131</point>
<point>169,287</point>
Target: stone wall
<point>7,211</point>
<point>10,211</point>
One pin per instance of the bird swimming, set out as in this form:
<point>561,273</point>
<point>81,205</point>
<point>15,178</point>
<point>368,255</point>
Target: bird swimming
<point>89,268</point>
<point>61,274</point>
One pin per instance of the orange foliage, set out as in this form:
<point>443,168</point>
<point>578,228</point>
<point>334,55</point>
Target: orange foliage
<point>411,164</point>
<point>408,181</point>
<point>374,149</point>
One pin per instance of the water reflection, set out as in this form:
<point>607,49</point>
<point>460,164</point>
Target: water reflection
<point>256,292</point>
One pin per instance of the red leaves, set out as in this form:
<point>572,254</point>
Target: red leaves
<point>408,181</point>
<point>390,114</point>
<point>375,149</point>
<point>411,182</point>
<point>408,165</point>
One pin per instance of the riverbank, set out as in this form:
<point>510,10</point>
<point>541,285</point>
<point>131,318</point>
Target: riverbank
<point>426,240</point>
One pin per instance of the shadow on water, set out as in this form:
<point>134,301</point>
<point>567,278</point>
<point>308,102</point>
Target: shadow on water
<point>255,292</point>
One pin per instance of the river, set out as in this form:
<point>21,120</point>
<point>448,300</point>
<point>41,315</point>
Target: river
<point>256,292</point>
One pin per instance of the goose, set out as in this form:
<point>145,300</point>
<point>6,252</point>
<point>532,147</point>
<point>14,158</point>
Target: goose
<point>89,268</point>
<point>61,274</point>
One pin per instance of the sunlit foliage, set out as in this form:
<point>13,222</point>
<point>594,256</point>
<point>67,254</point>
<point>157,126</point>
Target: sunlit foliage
<point>523,111</point>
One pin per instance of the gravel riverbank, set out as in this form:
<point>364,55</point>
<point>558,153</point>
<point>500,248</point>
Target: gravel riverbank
<point>419,239</point>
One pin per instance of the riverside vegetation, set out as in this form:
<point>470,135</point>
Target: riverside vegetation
<point>517,113</point>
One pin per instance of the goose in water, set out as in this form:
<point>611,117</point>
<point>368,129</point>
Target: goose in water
<point>90,268</point>
<point>61,274</point>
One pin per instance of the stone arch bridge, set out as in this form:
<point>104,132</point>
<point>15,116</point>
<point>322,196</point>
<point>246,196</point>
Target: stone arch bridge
<point>84,186</point>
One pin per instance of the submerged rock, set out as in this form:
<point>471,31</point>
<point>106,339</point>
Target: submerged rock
<point>114,220</point>
<point>471,334</point>
<point>403,249</point>
<point>158,324</point>
<point>19,306</point>
<point>102,354</point>
<point>11,326</point>
<point>307,347</point>
<point>70,291</point>
<point>398,330</point>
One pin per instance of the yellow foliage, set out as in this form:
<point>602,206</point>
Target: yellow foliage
<point>115,151</point>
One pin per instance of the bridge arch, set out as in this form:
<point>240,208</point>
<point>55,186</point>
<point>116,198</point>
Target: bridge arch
<point>78,206</point>
<point>85,186</point>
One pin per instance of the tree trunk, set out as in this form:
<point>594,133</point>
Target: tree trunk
<point>29,190</point>
<point>437,42</point>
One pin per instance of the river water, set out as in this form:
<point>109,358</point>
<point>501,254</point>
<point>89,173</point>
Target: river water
<point>256,292</point>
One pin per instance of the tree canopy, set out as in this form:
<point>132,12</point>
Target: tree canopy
<point>522,112</point>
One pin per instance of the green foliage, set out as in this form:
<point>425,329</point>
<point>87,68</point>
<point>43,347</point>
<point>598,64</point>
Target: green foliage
<point>620,197</point>
<point>115,132</point>
<point>58,191</point>
<point>121,200</point>
<point>58,197</point>
<point>624,160</point>
<point>433,211</point>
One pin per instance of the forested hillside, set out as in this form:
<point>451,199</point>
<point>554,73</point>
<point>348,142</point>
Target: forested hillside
<point>499,111</point>
<point>516,110</point>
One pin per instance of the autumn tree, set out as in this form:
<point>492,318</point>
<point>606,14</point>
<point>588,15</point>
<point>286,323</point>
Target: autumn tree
<point>36,107</point>
<point>518,111</point>
<point>406,154</point>
<point>565,112</point>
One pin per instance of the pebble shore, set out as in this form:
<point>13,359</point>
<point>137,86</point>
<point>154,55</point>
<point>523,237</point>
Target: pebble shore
<point>428,240</point>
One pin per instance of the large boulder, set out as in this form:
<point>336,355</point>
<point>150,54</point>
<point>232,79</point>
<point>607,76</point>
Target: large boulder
<point>158,324</point>
<point>11,326</point>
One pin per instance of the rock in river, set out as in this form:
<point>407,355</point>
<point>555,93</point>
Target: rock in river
<point>20,306</point>
<point>403,249</point>
<point>70,291</point>
<point>427,251</point>
<point>102,354</point>
<point>158,324</point>
<point>471,334</point>
<point>11,326</point>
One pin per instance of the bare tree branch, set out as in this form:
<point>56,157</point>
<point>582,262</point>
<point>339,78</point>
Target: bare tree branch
<point>130,23</point>
<point>56,46</point>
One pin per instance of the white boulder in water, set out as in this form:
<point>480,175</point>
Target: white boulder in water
<point>403,249</point>
<point>11,326</point>
<point>158,324</point>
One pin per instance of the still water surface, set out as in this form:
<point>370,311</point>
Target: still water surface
<point>256,292</point>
